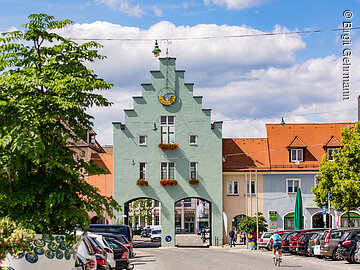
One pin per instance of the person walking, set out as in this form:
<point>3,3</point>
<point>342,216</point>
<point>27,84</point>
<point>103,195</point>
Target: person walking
<point>232,237</point>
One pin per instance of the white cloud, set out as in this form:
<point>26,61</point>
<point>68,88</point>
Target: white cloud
<point>249,81</point>
<point>124,6</point>
<point>236,4</point>
<point>158,12</point>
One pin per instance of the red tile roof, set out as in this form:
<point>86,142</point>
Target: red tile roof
<point>245,154</point>
<point>315,137</point>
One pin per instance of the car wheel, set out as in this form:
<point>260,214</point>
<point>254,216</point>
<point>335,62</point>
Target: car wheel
<point>353,258</point>
<point>335,255</point>
<point>357,258</point>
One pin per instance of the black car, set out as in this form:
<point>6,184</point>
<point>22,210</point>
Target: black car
<point>137,231</point>
<point>121,254</point>
<point>347,245</point>
<point>285,242</point>
<point>303,243</point>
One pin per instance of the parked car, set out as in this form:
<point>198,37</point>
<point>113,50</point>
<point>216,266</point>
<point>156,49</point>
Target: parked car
<point>122,239</point>
<point>109,252</point>
<point>264,240</point>
<point>303,243</point>
<point>113,229</point>
<point>146,232</point>
<point>137,231</point>
<point>121,254</point>
<point>313,243</point>
<point>330,246</point>
<point>156,235</point>
<point>81,263</point>
<point>101,262</point>
<point>286,239</point>
<point>85,250</point>
<point>293,240</point>
<point>97,247</point>
<point>347,245</point>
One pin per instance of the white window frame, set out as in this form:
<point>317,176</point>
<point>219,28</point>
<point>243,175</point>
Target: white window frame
<point>145,140</point>
<point>248,187</point>
<point>196,169</point>
<point>295,158</point>
<point>196,140</point>
<point>232,192</point>
<point>142,171</point>
<point>167,170</point>
<point>166,127</point>
<point>287,185</point>
<point>329,150</point>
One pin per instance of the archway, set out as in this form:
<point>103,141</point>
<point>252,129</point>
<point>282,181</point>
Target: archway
<point>236,220</point>
<point>142,212</point>
<point>318,220</point>
<point>192,222</point>
<point>353,217</point>
<point>289,221</point>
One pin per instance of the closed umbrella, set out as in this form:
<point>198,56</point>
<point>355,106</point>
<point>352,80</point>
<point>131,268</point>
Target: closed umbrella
<point>298,217</point>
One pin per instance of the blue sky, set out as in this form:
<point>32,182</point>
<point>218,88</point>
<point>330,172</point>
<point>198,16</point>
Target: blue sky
<point>246,81</point>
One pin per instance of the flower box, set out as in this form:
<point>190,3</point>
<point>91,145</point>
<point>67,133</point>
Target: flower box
<point>194,181</point>
<point>170,182</point>
<point>142,182</point>
<point>165,146</point>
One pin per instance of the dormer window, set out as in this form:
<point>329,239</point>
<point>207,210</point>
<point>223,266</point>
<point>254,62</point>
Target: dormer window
<point>91,138</point>
<point>330,152</point>
<point>297,155</point>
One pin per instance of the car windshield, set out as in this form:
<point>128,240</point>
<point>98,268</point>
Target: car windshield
<point>344,236</point>
<point>156,232</point>
<point>315,235</point>
<point>267,235</point>
<point>291,235</point>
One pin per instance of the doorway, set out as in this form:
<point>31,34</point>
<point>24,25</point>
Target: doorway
<point>318,220</point>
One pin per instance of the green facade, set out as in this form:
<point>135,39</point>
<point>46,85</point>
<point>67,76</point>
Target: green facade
<point>190,119</point>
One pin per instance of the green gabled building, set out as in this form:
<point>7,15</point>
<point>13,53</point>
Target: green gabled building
<point>167,115</point>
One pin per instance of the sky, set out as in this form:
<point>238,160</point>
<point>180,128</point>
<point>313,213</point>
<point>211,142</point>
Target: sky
<point>246,76</point>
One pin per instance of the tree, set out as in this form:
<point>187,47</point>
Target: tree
<point>45,89</point>
<point>248,224</point>
<point>141,208</point>
<point>341,177</point>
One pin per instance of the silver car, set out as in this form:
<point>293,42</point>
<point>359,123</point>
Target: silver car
<point>264,240</point>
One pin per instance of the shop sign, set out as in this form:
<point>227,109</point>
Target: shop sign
<point>272,214</point>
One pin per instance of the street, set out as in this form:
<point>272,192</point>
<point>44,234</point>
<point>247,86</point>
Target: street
<point>149,257</point>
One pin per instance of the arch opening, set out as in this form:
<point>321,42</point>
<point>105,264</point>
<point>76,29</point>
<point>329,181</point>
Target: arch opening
<point>192,222</point>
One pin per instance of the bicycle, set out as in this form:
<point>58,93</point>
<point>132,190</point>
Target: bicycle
<point>277,258</point>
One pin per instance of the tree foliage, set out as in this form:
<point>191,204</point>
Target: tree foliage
<point>248,224</point>
<point>341,177</point>
<point>141,208</point>
<point>45,89</point>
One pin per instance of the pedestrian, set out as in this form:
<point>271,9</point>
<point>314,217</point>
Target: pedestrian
<point>243,237</point>
<point>236,235</point>
<point>232,237</point>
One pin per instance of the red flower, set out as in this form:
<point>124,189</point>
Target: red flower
<point>165,146</point>
<point>164,182</point>
<point>142,182</point>
<point>194,181</point>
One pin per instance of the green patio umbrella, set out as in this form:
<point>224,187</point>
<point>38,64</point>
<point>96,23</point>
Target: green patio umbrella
<point>298,217</point>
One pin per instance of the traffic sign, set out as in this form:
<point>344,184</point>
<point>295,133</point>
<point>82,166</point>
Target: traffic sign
<point>168,238</point>
<point>324,210</point>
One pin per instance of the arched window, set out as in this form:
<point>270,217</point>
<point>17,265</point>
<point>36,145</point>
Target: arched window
<point>236,220</point>
<point>289,221</point>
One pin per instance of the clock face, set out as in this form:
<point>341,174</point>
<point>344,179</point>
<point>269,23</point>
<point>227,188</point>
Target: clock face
<point>167,96</point>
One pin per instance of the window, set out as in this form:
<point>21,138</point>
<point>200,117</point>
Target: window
<point>193,139</point>
<point>233,188</point>
<point>91,138</point>
<point>330,152</point>
<point>168,170</point>
<point>142,140</point>
<point>142,170</point>
<point>297,155</point>
<point>292,185</point>
<point>167,129</point>
<point>187,202</point>
<point>250,186</point>
<point>193,169</point>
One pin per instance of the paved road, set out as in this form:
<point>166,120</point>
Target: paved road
<point>227,259</point>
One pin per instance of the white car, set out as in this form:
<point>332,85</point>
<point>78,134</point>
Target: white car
<point>110,253</point>
<point>85,250</point>
<point>155,235</point>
